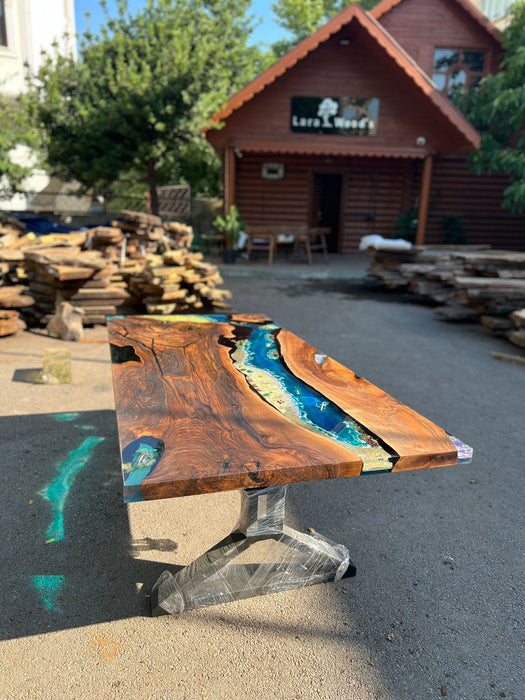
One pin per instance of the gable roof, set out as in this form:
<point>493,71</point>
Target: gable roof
<point>386,5</point>
<point>355,13</point>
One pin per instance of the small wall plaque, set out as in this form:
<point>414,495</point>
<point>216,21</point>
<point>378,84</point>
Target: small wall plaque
<point>272,171</point>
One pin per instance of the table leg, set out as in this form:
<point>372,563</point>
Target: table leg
<point>262,555</point>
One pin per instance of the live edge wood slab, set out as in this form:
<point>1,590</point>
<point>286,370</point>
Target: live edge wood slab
<point>214,403</point>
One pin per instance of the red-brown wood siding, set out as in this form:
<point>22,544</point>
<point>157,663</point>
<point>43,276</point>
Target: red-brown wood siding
<point>360,69</point>
<point>374,192</point>
<point>420,26</point>
<point>476,199</point>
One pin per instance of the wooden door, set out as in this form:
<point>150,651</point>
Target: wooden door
<point>326,206</point>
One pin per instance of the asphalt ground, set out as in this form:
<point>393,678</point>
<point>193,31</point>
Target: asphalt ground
<point>436,609</point>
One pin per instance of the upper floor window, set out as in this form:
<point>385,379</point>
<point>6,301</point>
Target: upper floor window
<point>457,69</point>
<point>3,33</point>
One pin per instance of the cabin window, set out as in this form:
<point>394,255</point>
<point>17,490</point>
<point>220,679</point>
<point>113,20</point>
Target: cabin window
<point>457,69</point>
<point>3,33</point>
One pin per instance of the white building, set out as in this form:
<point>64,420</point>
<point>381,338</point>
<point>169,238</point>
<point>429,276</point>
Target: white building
<point>28,27</point>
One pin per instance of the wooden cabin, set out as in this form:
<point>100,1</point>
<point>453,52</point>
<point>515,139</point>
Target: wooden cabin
<point>353,130</point>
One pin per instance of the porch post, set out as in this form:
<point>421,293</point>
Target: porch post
<point>229,178</point>
<point>426,181</point>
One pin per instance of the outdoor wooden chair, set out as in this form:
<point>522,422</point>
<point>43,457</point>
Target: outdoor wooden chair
<point>212,242</point>
<point>260,238</point>
<point>312,239</point>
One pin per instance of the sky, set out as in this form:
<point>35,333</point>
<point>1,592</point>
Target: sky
<point>267,32</point>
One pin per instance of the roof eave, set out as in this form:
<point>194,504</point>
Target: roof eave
<point>302,49</point>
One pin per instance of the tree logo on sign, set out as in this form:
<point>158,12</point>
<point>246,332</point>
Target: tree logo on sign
<point>328,108</point>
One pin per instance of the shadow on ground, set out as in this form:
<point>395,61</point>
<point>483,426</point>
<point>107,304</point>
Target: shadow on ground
<point>66,558</point>
<point>352,289</point>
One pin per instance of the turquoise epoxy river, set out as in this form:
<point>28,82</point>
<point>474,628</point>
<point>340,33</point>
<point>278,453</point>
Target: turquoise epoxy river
<point>315,410</point>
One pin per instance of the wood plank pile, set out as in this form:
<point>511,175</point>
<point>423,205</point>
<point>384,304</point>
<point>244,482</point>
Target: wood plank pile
<point>10,323</point>
<point>517,335</point>
<point>427,271</point>
<point>142,233</point>
<point>466,282</point>
<point>136,265</point>
<point>177,281</point>
<point>82,278</point>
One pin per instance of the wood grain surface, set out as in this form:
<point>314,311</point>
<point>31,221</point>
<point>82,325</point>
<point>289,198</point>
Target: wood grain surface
<point>197,414</point>
<point>418,442</point>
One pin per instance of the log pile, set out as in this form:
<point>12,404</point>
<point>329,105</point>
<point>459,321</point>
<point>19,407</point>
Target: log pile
<point>135,265</point>
<point>178,281</point>
<point>83,278</point>
<point>464,282</point>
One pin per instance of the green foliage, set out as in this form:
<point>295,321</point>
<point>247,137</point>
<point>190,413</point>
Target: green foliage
<point>230,226</point>
<point>141,91</point>
<point>15,129</point>
<point>197,164</point>
<point>406,225</point>
<point>303,17</point>
<point>453,230</point>
<point>497,109</point>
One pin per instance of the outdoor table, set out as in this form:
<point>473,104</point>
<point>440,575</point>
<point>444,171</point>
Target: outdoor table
<point>215,403</point>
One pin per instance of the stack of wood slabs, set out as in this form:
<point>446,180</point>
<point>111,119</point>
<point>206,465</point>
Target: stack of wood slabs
<point>493,281</point>
<point>15,297</point>
<point>135,265</point>
<point>107,239</point>
<point>178,281</point>
<point>517,334</point>
<point>467,282</point>
<point>142,232</point>
<point>10,323</point>
<point>10,229</point>
<point>180,235</point>
<point>427,271</point>
<point>68,274</point>
<point>9,235</point>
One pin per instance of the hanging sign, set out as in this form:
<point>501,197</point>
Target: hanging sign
<point>356,116</point>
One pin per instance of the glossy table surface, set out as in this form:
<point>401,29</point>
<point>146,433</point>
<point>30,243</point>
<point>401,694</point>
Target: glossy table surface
<point>214,403</point>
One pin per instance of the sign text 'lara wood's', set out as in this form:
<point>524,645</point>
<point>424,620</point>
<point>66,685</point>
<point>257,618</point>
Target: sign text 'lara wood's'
<point>335,115</point>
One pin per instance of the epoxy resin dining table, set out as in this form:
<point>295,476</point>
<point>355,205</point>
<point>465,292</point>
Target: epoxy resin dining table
<point>215,403</point>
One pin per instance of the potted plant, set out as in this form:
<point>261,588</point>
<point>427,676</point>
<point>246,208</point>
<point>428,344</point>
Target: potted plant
<point>230,226</point>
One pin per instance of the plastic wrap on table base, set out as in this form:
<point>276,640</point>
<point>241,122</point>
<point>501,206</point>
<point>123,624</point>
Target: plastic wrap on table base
<point>262,555</point>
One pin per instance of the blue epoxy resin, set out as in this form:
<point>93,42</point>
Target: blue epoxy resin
<point>259,359</point>
<point>139,459</point>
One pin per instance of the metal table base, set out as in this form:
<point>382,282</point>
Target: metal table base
<point>262,555</point>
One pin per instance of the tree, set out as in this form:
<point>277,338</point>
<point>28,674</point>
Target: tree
<point>303,17</point>
<point>141,91</point>
<point>15,130</point>
<point>497,109</point>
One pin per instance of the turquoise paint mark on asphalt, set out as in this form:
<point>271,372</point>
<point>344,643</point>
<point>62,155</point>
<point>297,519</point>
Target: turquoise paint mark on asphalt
<point>49,589</point>
<point>57,491</point>
<point>65,417</point>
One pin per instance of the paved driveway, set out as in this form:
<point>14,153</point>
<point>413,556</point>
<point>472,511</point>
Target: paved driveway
<point>436,608</point>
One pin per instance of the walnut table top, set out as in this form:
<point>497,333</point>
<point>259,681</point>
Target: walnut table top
<point>214,403</point>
